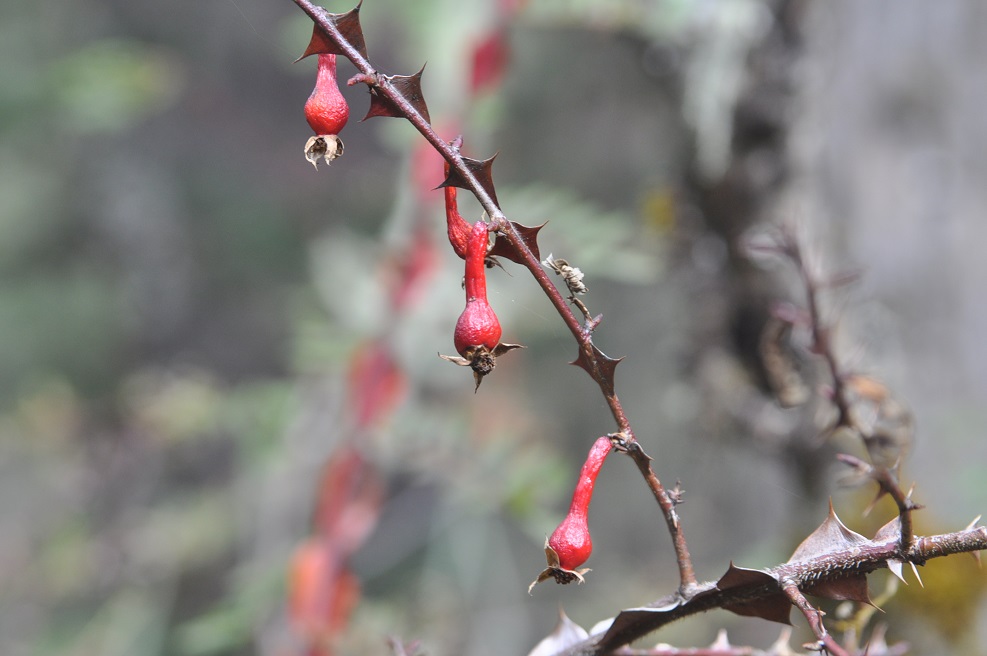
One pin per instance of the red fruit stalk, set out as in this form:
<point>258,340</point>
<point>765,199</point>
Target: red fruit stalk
<point>456,226</point>
<point>477,325</point>
<point>326,112</point>
<point>571,540</point>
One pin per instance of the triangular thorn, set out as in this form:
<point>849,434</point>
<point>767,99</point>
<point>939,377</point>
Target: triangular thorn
<point>349,28</point>
<point>482,170</point>
<point>831,534</point>
<point>528,234</point>
<point>606,366</point>
<point>409,86</point>
<point>775,607</point>
<point>890,531</point>
<point>972,525</point>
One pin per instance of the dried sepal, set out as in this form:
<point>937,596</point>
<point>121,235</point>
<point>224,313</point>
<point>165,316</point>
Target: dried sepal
<point>323,146</point>
<point>349,28</point>
<point>528,234</point>
<point>409,86</point>
<point>482,170</point>
<point>481,359</point>
<point>556,571</point>
<point>504,348</point>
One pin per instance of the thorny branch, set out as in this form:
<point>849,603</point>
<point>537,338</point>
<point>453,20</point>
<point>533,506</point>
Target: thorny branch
<point>803,575</point>
<point>822,344</point>
<point>599,366</point>
<point>814,617</point>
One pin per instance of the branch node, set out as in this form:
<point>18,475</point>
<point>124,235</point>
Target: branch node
<point>362,78</point>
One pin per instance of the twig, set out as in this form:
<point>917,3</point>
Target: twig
<point>823,346</point>
<point>814,617</point>
<point>687,575</point>
<point>889,484</point>
<point>822,342</point>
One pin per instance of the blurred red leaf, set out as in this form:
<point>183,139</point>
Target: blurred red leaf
<point>349,499</point>
<point>490,58</point>
<point>413,266</point>
<point>322,593</point>
<point>376,383</point>
<point>426,166</point>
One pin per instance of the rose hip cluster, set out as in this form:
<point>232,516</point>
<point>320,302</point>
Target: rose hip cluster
<point>477,334</point>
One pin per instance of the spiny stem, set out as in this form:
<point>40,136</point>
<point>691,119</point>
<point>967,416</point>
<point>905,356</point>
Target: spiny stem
<point>804,574</point>
<point>687,575</point>
<point>821,334</point>
<point>823,343</point>
<point>814,616</point>
<point>583,337</point>
<point>889,484</point>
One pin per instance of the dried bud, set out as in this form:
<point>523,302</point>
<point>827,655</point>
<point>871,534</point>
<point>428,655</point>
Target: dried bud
<point>572,276</point>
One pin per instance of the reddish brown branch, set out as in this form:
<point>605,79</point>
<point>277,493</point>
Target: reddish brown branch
<point>814,617</point>
<point>804,574</point>
<point>822,342</point>
<point>687,575</point>
<point>593,358</point>
<point>823,345</point>
<point>889,484</point>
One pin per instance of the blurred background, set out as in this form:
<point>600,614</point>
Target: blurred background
<point>223,426</point>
